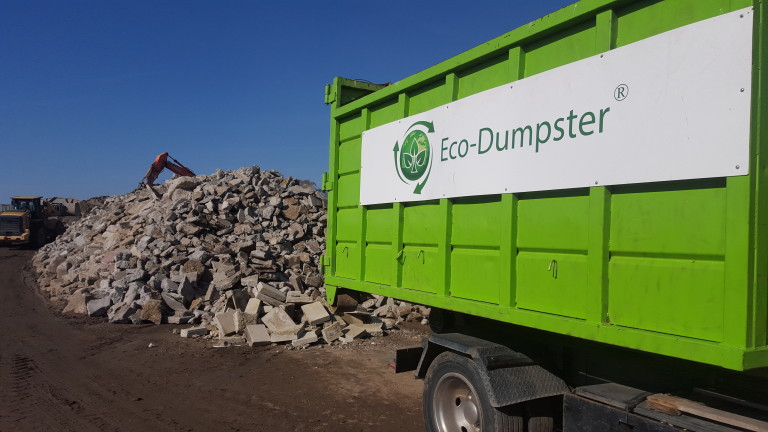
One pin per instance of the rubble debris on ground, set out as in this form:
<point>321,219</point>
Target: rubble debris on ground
<point>234,255</point>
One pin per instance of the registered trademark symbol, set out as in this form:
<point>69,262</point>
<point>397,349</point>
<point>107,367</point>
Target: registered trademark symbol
<point>621,92</point>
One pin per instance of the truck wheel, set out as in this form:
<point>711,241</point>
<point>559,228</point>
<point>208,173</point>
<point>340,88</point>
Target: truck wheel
<point>455,400</point>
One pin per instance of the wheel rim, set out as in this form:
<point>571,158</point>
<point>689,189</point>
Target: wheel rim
<point>455,404</point>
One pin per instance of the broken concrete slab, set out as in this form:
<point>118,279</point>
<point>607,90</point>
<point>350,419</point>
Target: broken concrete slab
<point>98,307</point>
<point>123,312</point>
<point>270,291</point>
<point>169,286</point>
<point>353,332</point>
<point>253,307</point>
<point>225,321</point>
<point>172,302</point>
<point>404,310</point>
<point>250,281</point>
<point>389,323</point>
<point>307,339</point>
<point>177,319</point>
<point>352,318</point>
<point>315,313</point>
<point>257,335</point>
<point>240,321</point>
<point>283,337</point>
<point>232,340</point>
<point>195,304</point>
<point>152,311</point>
<point>183,183</point>
<point>186,290</point>
<point>269,300</point>
<point>212,294</point>
<point>224,282</point>
<point>278,321</point>
<point>194,332</point>
<point>77,304</point>
<point>237,299</point>
<point>134,275</point>
<point>370,329</point>
<point>331,332</point>
<point>297,297</point>
<point>296,284</point>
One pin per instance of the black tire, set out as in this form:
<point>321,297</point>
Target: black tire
<point>455,400</point>
<point>60,228</point>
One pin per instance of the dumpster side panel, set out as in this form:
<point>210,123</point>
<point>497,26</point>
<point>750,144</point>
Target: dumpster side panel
<point>760,137</point>
<point>675,268</point>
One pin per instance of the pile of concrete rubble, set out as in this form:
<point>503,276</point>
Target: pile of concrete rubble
<point>235,254</point>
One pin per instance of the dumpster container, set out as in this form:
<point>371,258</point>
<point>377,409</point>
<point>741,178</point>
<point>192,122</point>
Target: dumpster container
<point>638,227</point>
<point>599,173</point>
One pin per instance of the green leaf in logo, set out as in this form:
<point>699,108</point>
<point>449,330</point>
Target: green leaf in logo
<point>421,158</point>
<point>414,155</point>
<point>407,161</point>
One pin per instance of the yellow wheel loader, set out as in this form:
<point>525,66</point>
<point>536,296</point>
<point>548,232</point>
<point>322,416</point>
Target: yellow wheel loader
<point>30,220</point>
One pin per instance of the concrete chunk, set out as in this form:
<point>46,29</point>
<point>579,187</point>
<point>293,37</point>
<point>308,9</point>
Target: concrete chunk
<point>257,335</point>
<point>77,304</point>
<point>184,183</point>
<point>371,329</point>
<point>331,332</point>
<point>269,300</point>
<point>212,294</point>
<point>315,313</point>
<point>232,340</point>
<point>225,321</point>
<point>307,339</point>
<point>353,332</point>
<point>122,313</point>
<point>253,307</point>
<point>237,299</point>
<point>297,297</point>
<point>169,286</point>
<point>404,310</point>
<point>283,337</point>
<point>98,307</point>
<point>222,282</point>
<point>178,319</point>
<point>186,290</point>
<point>152,311</point>
<point>194,332</point>
<point>172,303</point>
<point>295,282</point>
<point>352,318</point>
<point>269,290</point>
<point>251,281</point>
<point>240,321</point>
<point>134,275</point>
<point>278,321</point>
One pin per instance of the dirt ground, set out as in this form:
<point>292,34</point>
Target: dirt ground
<point>60,373</point>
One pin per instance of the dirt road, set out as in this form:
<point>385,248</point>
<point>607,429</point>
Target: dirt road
<point>61,373</point>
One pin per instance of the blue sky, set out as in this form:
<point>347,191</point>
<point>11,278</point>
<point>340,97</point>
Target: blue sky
<point>92,90</point>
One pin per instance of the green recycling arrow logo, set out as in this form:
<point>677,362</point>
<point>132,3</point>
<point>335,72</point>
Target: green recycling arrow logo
<point>413,160</point>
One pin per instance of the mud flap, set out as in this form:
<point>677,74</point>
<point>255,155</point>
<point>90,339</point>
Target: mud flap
<point>508,376</point>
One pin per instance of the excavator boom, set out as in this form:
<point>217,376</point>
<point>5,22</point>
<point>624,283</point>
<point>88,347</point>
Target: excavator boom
<point>161,162</point>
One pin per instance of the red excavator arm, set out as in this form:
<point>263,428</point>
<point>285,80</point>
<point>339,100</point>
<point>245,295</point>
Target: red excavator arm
<point>161,162</point>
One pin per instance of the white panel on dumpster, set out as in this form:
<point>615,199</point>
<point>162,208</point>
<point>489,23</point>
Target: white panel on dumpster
<point>673,106</point>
